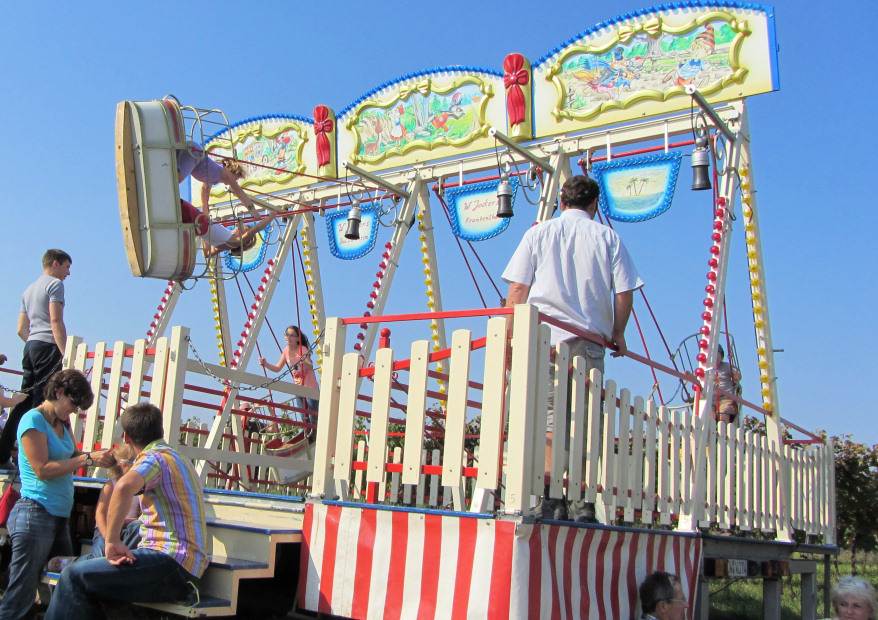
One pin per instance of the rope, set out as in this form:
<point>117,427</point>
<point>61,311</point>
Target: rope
<point>646,349</point>
<point>463,254</point>
<point>609,224</point>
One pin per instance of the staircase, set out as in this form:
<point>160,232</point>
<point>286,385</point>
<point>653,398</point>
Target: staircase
<point>255,560</point>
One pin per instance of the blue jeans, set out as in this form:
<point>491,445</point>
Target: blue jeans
<point>36,536</point>
<point>153,577</point>
<point>130,536</point>
<point>313,405</point>
<point>40,361</point>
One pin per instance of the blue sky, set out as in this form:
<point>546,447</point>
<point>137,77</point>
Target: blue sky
<point>65,66</point>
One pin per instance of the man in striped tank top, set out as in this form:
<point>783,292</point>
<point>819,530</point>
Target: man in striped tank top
<point>175,546</point>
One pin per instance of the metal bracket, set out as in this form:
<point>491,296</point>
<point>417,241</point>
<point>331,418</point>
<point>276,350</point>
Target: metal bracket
<point>711,113</point>
<point>390,187</point>
<point>512,146</point>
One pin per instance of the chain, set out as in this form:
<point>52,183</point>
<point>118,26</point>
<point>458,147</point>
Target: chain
<point>36,385</point>
<point>266,384</point>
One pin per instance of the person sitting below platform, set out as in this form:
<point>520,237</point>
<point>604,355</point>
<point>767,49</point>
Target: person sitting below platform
<point>854,599</point>
<point>729,379</point>
<point>216,237</point>
<point>175,545</point>
<point>130,530</point>
<point>196,162</point>
<point>661,597</point>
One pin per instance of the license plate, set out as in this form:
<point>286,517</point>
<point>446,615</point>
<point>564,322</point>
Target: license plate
<point>737,568</point>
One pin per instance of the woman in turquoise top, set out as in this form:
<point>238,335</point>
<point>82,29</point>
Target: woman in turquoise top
<point>47,458</point>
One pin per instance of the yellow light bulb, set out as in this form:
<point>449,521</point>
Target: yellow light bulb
<point>767,406</point>
<point>763,365</point>
<point>758,323</point>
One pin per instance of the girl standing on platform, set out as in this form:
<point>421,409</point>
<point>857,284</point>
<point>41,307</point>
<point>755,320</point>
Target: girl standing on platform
<point>297,355</point>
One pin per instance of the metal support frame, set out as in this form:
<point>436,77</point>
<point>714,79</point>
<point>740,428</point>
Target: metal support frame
<point>513,146</point>
<point>390,187</point>
<point>404,223</point>
<point>215,436</point>
<point>711,113</point>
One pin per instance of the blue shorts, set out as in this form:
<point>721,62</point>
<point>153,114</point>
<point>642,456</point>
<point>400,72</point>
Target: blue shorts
<point>198,164</point>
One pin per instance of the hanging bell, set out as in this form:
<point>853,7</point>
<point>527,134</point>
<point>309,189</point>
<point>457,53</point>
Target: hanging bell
<point>701,165</point>
<point>352,231</point>
<point>504,197</point>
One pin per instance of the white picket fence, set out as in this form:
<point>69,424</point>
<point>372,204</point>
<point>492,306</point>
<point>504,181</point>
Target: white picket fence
<point>636,461</point>
<point>129,373</point>
<point>640,464</point>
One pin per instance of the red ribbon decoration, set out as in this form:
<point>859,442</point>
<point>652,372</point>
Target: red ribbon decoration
<point>515,78</point>
<point>322,126</point>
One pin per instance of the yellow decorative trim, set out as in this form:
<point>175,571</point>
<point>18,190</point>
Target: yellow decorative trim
<point>257,130</point>
<point>653,27</point>
<point>424,87</point>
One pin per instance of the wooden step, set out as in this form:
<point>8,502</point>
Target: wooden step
<point>207,607</point>
<point>248,541</point>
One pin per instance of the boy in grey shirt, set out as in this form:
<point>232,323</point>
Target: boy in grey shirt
<point>41,326</point>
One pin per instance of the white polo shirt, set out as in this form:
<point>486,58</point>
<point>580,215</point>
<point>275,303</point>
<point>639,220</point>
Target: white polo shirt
<point>574,266</point>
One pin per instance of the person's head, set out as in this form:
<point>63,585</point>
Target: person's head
<point>580,192</point>
<point>661,595</point>
<point>235,167</point>
<point>854,599</point>
<point>142,424</point>
<point>57,263</point>
<point>124,454</point>
<point>249,243</point>
<point>71,384</point>
<point>292,334</point>
<point>720,353</point>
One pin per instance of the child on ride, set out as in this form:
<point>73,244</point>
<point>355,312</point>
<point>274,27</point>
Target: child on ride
<point>297,355</point>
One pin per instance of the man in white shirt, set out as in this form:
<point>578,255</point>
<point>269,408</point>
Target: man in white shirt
<point>575,270</point>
